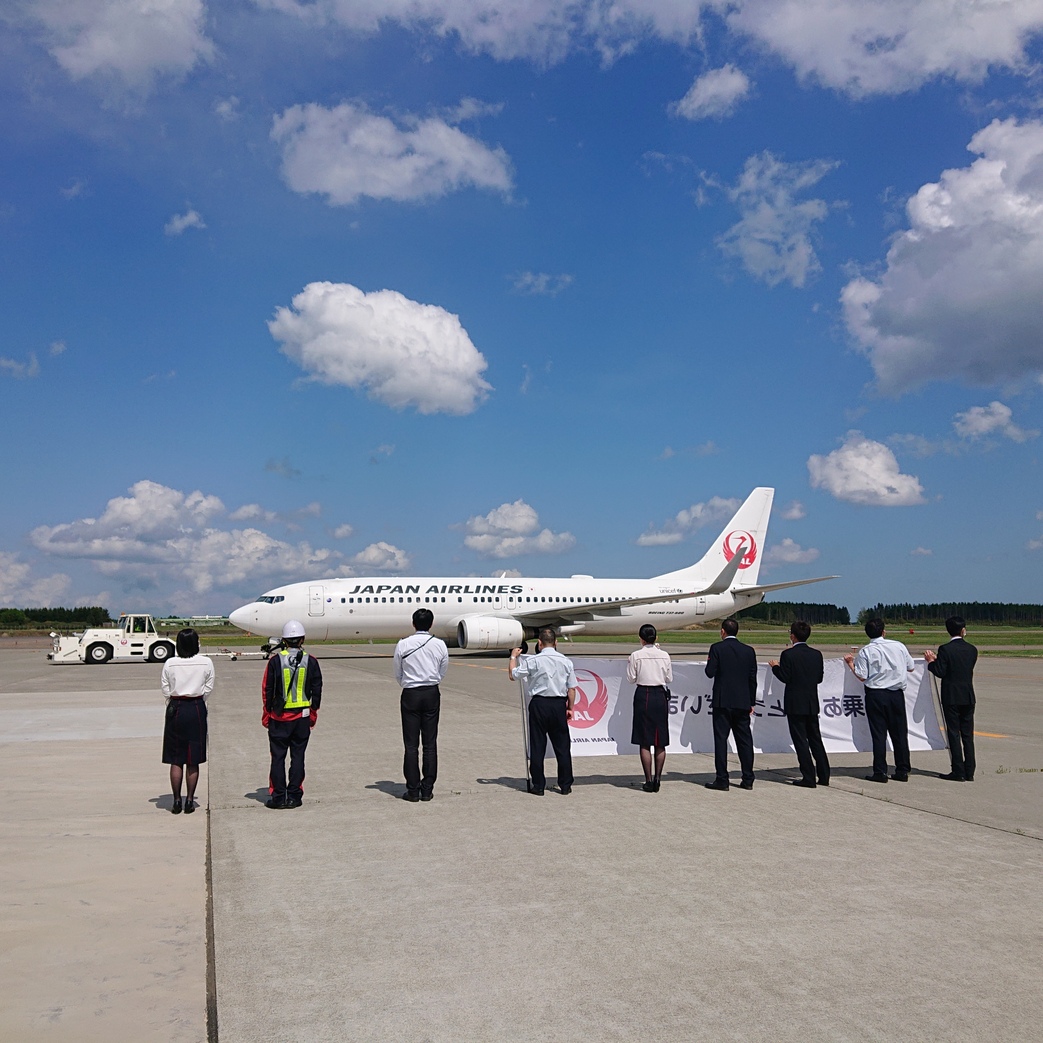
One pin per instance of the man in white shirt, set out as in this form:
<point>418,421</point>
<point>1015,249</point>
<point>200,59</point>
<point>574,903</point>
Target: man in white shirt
<point>421,661</point>
<point>550,681</point>
<point>882,666</point>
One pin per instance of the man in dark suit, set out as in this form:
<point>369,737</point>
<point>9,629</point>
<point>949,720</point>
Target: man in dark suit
<point>800,669</point>
<point>953,664</point>
<point>733,667</point>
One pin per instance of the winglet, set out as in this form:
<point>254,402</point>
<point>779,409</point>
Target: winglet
<point>724,581</point>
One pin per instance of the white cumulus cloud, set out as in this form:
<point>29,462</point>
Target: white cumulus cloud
<point>512,529</point>
<point>993,419</point>
<point>179,222</point>
<point>402,353</point>
<point>861,47</point>
<point>21,370</point>
<point>864,472</point>
<point>715,94</point>
<point>716,509</point>
<point>774,238</point>
<point>158,534</point>
<point>794,511</point>
<point>790,553</point>
<point>19,588</point>
<point>921,552</point>
<point>133,41</point>
<point>540,284</point>
<point>348,152</point>
<point>865,47</point>
<point>384,557</point>
<point>960,296</point>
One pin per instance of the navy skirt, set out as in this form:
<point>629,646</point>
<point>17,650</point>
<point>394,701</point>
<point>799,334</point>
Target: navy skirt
<point>184,733</point>
<point>651,716</point>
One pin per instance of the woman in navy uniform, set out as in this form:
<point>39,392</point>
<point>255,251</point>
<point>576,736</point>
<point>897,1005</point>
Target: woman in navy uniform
<point>187,679</point>
<point>650,669</point>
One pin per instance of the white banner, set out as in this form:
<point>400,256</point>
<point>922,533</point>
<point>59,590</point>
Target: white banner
<point>604,708</point>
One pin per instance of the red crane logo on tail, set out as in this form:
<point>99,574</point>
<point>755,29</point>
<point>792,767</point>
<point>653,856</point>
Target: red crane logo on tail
<point>591,700</point>
<point>732,542</point>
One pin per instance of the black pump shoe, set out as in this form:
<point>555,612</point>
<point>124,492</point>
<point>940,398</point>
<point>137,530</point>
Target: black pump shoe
<point>175,808</point>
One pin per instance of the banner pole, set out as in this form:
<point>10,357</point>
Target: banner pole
<point>525,732</point>
<point>939,713</point>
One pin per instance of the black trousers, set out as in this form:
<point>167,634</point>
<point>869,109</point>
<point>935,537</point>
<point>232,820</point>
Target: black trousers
<point>959,724</point>
<point>806,736</point>
<point>738,723</point>
<point>885,712</point>
<point>547,720</point>
<point>420,708</point>
<point>292,736</point>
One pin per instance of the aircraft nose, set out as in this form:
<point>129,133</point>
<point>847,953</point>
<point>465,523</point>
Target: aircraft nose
<point>242,617</point>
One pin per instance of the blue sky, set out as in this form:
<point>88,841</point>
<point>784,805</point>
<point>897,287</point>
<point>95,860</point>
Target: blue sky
<point>432,287</point>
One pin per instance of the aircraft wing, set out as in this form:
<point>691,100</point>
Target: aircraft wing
<point>550,615</point>
<point>765,588</point>
<point>587,611</point>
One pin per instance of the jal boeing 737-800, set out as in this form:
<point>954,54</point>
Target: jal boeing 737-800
<point>503,613</point>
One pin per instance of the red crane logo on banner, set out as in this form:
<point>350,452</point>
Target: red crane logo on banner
<point>591,700</point>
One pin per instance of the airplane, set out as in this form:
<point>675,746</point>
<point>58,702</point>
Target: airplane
<point>504,613</point>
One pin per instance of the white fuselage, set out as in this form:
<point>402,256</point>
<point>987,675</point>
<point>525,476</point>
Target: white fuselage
<point>380,607</point>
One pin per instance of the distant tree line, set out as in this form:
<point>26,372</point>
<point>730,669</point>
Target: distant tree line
<point>27,618</point>
<point>988,612</point>
<point>788,611</point>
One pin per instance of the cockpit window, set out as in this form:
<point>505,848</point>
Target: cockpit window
<point>268,599</point>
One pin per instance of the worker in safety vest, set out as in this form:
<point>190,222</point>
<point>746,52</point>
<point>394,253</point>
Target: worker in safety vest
<point>292,691</point>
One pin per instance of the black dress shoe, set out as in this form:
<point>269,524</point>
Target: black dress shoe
<point>876,778</point>
<point>649,786</point>
<point>275,803</point>
<point>413,798</point>
<point>564,790</point>
<point>293,802</point>
<point>175,808</point>
<point>968,778</point>
<point>529,788</point>
<point>655,782</point>
<point>190,806</point>
<point>823,782</point>
<point>952,777</point>
<point>426,796</point>
<point>717,785</point>
<point>803,783</point>
<point>745,785</point>
<point>896,777</point>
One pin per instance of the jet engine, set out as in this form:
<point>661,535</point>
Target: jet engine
<point>489,632</point>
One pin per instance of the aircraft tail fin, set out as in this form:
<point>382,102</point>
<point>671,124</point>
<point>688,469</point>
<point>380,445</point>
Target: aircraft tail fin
<point>746,534</point>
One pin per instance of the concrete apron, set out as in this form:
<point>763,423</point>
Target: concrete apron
<point>102,933</point>
<point>489,914</point>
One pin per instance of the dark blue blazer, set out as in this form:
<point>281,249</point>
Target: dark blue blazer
<point>800,669</point>
<point>733,667</point>
<point>955,667</point>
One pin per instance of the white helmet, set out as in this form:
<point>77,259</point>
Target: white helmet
<point>293,628</point>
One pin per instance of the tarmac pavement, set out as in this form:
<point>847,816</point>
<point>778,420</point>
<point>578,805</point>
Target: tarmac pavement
<point>857,912</point>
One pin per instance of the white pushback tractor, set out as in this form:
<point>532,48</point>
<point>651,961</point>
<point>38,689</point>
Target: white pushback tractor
<point>134,638</point>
